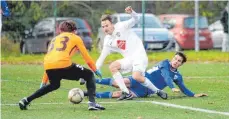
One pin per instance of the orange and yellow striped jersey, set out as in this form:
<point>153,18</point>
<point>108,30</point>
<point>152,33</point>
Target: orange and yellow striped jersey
<point>62,48</point>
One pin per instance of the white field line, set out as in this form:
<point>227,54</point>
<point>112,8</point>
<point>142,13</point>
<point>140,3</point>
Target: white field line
<point>153,102</point>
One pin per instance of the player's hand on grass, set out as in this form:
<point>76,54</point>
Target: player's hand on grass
<point>43,84</point>
<point>200,95</point>
<point>128,10</point>
<point>98,73</point>
<point>175,90</point>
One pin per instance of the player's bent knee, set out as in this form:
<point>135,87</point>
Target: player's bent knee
<point>89,75</point>
<point>114,66</point>
<point>139,78</point>
<point>136,76</point>
<point>54,86</point>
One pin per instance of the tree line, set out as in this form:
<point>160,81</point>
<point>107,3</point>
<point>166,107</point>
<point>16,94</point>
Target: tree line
<point>25,14</point>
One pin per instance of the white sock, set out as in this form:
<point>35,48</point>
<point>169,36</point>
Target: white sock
<point>119,80</point>
<point>150,85</point>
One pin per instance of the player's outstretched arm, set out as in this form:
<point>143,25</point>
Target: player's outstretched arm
<point>184,89</point>
<point>134,18</point>
<point>200,95</point>
<point>128,10</point>
<point>87,57</point>
<point>105,52</point>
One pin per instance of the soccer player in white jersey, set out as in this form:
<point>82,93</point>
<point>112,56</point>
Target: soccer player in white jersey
<point>119,38</point>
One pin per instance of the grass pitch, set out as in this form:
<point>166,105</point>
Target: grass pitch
<point>19,81</point>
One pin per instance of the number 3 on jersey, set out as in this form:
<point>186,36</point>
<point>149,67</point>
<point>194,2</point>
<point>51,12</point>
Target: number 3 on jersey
<point>63,42</point>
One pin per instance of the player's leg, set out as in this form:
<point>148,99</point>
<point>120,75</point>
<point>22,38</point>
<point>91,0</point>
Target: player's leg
<point>115,68</point>
<point>126,81</point>
<point>115,94</point>
<point>75,72</point>
<point>101,94</point>
<point>105,81</point>
<point>138,89</point>
<point>111,82</point>
<point>54,79</point>
<point>139,75</point>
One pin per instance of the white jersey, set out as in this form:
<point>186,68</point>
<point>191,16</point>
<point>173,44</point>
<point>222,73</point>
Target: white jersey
<point>124,41</point>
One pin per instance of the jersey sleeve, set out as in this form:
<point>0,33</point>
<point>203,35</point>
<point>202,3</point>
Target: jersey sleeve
<point>179,82</point>
<point>131,22</point>
<point>45,78</point>
<point>167,78</point>
<point>85,54</point>
<point>103,55</point>
<point>165,69</point>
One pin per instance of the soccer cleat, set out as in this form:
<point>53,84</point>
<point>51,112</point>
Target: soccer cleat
<point>82,81</point>
<point>126,96</point>
<point>94,106</point>
<point>23,103</point>
<point>162,94</point>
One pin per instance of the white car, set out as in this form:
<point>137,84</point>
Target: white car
<point>157,37</point>
<point>217,33</point>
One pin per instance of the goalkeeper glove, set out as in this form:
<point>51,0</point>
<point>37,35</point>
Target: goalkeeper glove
<point>98,73</point>
<point>42,84</point>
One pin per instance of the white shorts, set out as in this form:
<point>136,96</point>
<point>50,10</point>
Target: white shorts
<point>128,65</point>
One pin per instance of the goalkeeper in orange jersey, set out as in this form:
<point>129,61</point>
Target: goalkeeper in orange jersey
<point>58,66</point>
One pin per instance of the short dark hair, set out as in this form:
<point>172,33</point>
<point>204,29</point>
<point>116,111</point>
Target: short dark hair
<point>67,26</point>
<point>106,17</point>
<point>181,54</point>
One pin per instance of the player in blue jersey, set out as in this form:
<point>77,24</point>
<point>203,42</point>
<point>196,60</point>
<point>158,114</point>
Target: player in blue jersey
<point>164,74</point>
<point>4,11</point>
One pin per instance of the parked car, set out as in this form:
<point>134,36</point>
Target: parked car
<point>156,36</point>
<point>183,28</point>
<point>217,33</point>
<point>36,40</point>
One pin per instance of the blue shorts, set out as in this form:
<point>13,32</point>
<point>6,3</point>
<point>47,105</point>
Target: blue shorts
<point>138,89</point>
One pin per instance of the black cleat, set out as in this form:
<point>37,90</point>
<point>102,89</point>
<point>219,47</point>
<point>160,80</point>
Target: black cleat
<point>23,103</point>
<point>126,96</point>
<point>82,81</point>
<point>162,94</point>
<point>94,106</point>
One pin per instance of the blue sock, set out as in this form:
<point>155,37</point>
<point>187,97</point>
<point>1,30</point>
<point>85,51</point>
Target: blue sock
<point>104,81</point>
<point>103,94</point>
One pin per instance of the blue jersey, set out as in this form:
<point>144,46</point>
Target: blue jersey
<point>5,9</point>
<point>161,76</point>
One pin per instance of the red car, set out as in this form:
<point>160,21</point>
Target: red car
<point>183,28</point>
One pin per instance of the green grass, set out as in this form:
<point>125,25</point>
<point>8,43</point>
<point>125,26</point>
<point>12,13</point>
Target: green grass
<point>203,55</point>
<point>22,80</point>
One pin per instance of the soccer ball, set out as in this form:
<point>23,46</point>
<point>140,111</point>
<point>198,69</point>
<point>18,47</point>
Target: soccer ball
<point>75,95</point>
